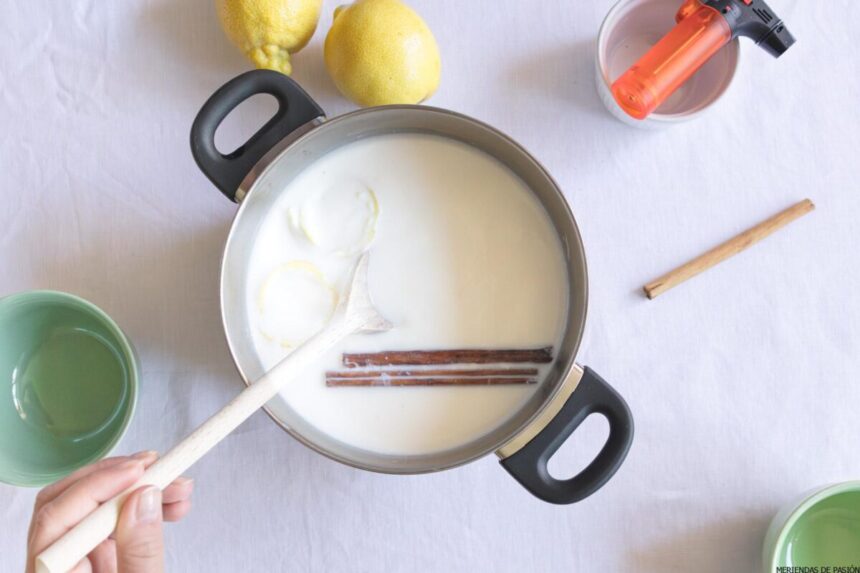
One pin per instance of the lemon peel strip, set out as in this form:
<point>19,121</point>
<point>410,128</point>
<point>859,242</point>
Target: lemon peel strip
<point>369,226</point>
<point>309,269</point>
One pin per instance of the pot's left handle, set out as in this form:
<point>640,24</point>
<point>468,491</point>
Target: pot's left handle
<point>295,108</point>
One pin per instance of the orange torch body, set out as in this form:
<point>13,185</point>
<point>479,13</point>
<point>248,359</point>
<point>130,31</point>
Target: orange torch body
<point>700,32</point>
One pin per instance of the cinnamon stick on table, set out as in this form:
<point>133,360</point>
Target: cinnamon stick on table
<point>455,356</point>
<point>728,249</point>
<point>435,381</point>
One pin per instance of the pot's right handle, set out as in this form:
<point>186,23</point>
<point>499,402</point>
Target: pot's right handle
<point>528,464</point>
<point>295,108</point>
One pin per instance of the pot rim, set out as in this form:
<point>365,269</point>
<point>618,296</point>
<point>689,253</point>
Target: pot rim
<point>284,146</point>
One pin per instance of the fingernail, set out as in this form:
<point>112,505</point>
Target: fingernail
<point>148,505</point>
<point>145,454</point>
<point>182,480</point>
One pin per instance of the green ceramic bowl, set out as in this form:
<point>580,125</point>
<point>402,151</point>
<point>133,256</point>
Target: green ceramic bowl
<point>68,386</point>
<point>822,530</point>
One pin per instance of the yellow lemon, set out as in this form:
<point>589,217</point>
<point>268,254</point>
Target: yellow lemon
<point>268,31</point>
<point>381,52</point>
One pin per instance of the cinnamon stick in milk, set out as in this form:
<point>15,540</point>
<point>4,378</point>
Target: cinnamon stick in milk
<point>455,356</point>
<point>434,381</point>
<point>429,373</point>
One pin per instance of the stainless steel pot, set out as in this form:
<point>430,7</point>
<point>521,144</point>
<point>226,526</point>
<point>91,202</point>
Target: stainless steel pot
<point>299,133</point>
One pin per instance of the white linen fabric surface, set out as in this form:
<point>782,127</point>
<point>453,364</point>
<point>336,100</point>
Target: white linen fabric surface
<point>742,381</point>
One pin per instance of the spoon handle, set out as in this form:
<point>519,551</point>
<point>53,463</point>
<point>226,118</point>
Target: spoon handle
<point>96,527</point>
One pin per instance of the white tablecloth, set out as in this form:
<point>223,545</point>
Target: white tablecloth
<point>743,382</point>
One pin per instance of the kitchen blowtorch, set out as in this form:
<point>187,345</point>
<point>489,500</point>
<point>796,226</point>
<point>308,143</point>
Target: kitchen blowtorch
<point>702,28</point>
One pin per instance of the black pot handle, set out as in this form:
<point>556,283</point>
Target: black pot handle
<point>592,396</point>
<point>295,108</point>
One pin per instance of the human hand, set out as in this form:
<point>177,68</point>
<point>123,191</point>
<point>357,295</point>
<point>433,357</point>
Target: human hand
<point>137,545</point>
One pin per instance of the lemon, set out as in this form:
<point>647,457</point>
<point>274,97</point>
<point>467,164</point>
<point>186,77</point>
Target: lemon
<point>381,52</point>
<point>268,31</point>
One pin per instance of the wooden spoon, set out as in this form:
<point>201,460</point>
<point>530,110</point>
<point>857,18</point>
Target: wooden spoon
<point>354,313</point>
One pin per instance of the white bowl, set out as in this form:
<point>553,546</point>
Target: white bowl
<point>627,33</point>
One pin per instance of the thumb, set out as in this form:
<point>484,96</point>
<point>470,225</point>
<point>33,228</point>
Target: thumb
<point>139,541</point>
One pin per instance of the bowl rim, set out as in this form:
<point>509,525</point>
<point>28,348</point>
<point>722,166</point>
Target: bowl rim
<point>132,380</point>
<point>797,511</point>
